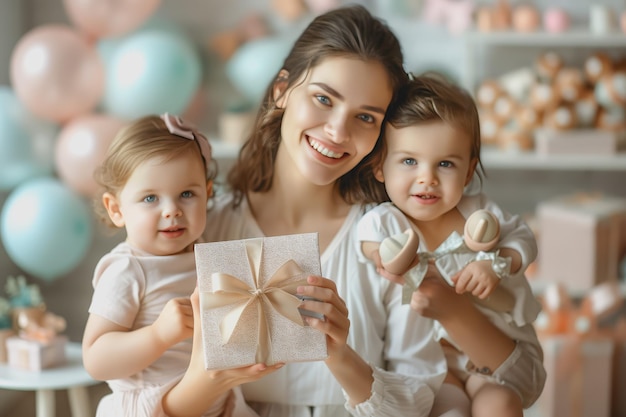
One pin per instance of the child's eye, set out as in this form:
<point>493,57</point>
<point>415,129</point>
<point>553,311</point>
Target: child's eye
<point>446,164</point>
<point>186,194</point>
<point>323,99</point>
<point>409,161</point>
<point>150,199</point>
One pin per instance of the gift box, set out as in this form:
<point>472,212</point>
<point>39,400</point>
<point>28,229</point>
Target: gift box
<point>581,239</point>
<point>578,382</point>
<point>249,313</point>
<point>35,355</point>
<point>4,335</point>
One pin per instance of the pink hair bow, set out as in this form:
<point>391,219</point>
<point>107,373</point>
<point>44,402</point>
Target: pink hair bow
<point>178,127</point>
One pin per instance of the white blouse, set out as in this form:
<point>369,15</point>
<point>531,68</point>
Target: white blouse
<point>409,366</point>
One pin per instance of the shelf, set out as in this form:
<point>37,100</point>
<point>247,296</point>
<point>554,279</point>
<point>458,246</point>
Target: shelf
<point>495,159</point>
<point>571,38</point>
<point>224,150</point>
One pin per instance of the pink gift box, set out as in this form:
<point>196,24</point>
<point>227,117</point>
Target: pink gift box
<point>576,141</point>
<point>578,382</point>
<point>34,355</point>
<point>4,335</point>
<point>581,239</point>
<point>249,313</point>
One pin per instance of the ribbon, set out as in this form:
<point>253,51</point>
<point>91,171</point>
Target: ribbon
<point>453,245</point>
<point>560,317</point>
<point>277,293</point>
<point>178,127</point>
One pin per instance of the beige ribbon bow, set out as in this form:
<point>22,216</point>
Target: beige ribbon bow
<point>277,293</point>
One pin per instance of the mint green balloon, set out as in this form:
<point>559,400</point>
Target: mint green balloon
<point>151,72</point>
<point>46,228</point>
<point>255,64</point>
<point>26,142</point>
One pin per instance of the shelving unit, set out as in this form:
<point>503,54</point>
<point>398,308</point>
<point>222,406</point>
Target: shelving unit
<point>573,38</point>
<point>495,159</point>
<point>578,38</point>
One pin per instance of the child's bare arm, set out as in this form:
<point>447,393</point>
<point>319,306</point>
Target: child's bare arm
<point>370,251</point>
<point>111,351</point>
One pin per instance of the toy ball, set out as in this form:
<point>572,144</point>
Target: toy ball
<point>586,109</point>
<point>597,65</point>
<point>255,64</point>
<point>561,117</point>
<point>57,73</point>
<point>151,72</point>
<point>548,65</point>
<point>46,228</point>
<point>570,83</point>
<point>610,90</point>
<point>487,93</point>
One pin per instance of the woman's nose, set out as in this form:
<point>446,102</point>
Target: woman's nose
<point>337,127</point>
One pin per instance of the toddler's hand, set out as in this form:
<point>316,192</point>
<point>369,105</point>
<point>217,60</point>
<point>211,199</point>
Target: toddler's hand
<point>477,278</point>
<point>175,323</point>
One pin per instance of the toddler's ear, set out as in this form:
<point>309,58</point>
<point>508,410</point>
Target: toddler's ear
<point>378,174</point>
<point>470,171</point>
<point>113,209</point>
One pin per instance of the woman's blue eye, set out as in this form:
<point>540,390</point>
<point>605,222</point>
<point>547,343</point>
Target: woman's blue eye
<point>186,194</point>
<point>409,161</point>
<point>150,199</point>
<point>366,118</point>
<point>323,99</point>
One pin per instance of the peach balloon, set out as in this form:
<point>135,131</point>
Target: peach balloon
<point>56,73</point>
<point>109,18</point>
<point>81,147</point>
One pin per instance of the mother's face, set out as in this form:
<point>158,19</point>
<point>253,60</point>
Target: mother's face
<point>332,117</point>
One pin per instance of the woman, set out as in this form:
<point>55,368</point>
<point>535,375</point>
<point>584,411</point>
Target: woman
<point>304,169</point>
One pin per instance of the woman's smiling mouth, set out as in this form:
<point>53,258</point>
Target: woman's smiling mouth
<point>323,150</point>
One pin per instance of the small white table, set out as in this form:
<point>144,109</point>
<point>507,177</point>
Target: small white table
<point>70,376</point>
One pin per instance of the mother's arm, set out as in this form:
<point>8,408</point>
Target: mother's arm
<point>514,363</point>
<point>411,368</point>
<point>200,389</point>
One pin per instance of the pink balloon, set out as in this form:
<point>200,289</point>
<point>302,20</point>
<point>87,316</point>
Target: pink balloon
<point>80,148</point>
<point>56,73</point>
<point>109,18</point>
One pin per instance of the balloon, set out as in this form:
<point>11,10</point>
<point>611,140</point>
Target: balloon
<point>255,63</point>
<point>46,228</point>
<point>26,142</point>
<point>109,18</point>
<point>107,47</point>
<point>81,148</point>
<point>151,72</point>
<point>56,73</point>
